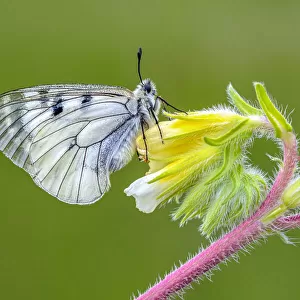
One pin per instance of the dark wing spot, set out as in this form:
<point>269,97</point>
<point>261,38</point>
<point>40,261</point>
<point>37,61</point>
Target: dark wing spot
<point>86,99</point>
<point>58,108</point>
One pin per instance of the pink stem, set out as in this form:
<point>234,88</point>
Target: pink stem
<point>289,222</point>
<point>204,261</point>
<point>290,159</point>
<point>245,233</point>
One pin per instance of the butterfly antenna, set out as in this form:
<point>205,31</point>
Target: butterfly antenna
<point>168,104</point>
<point>139,56</point>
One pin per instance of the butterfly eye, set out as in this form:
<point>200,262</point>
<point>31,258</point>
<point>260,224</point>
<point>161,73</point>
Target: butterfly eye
<point>147,88</point>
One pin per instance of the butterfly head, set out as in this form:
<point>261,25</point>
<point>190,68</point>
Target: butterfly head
<point>146,90</point>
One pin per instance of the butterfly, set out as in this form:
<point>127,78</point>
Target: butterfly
<point>71,137</point>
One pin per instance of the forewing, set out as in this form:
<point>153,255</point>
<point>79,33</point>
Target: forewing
<point>68,136</point>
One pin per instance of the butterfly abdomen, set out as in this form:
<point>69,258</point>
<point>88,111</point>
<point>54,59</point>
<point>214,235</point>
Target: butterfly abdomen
<point>126,146</point>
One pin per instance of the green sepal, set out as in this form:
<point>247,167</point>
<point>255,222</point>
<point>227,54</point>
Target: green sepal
<point>195,203</point>
<point>230,156</point>
<point>278,121</point>
<point>238,194</point>
<point>237,100</point>
<point>220,207</point>
<point>227,136</point>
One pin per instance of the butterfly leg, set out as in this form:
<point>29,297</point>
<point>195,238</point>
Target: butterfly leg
<point>157,124</point>
<point>145,140</point>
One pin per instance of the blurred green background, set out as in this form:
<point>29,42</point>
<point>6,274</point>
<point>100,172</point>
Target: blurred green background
<point>192,50</point>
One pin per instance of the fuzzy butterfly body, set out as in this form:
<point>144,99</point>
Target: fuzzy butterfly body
<point>70,138</point>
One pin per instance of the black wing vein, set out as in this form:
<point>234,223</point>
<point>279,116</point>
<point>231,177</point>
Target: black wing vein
<point>81,173</point>
<point>68,169</point>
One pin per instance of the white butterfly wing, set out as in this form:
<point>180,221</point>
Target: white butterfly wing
<point>70,137</point>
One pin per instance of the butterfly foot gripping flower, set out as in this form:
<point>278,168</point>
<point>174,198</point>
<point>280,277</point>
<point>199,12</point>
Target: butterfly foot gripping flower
<point>203,163</point>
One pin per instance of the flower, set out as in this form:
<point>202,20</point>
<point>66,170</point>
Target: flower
<point>201,163</point>
<point>199,152</point>
<point>145,194</point>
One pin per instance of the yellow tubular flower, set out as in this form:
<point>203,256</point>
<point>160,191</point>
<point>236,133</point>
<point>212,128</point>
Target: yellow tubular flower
<point>201,162</point>
<point>193,148</point>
